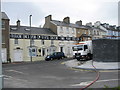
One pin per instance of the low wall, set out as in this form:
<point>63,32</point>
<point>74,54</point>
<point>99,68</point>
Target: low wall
<point>106,50</point>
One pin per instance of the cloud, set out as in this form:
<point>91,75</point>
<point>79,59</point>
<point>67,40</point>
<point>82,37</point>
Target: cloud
<point>85,10</point>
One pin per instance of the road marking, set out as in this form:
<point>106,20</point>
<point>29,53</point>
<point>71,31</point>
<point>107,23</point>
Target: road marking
<point>88,82</point>
<point>78,69</point>
<point>10,77</point>
<point>62,63</point>
<point>15,71</point>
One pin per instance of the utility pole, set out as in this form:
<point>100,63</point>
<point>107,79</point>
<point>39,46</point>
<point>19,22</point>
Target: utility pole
<point>1,76</point>
<point>30,39</point>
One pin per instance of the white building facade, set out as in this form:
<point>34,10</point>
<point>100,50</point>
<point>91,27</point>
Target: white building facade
<point>63,29</point>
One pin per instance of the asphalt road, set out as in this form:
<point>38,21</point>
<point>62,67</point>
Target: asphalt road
<point>53,74</point>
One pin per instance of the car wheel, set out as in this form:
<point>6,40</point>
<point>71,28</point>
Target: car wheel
<point>46,60</point>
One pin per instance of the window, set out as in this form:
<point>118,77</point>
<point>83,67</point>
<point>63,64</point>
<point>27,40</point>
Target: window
<point>3,24</point>
<point>42,41</point>
<point>32,41</point>
<point>61,29</point>
<point>84,31</point>
<point>85,47</point>
<point>94,32</point>
<point>90,32</point>
<point>67,29</point>
<point>52,42</point>
<point>16,41</point>
<point>97,32</point>
<point>72,30</point>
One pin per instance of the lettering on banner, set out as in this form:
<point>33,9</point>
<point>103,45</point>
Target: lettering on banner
<point>26,36</point>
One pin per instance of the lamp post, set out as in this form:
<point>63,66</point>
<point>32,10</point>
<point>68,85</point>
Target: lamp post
<point>30,39</point>
<point>1,76</point>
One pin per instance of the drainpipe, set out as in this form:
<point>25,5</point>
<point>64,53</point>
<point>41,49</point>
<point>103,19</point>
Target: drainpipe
<point>1,76</point>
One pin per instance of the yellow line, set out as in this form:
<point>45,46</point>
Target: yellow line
<point>62,63</point>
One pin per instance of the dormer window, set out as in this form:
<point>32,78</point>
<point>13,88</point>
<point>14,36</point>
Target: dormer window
<point>27,29</point>
<point>13,28</point>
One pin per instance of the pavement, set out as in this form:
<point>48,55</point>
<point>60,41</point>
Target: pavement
<point>88,65</point>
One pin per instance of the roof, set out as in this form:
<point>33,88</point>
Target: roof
<point>61,23</point>
<point>98,28</point>
<point>112,27</point>
<point>34,30</point>
<point>4,15</point>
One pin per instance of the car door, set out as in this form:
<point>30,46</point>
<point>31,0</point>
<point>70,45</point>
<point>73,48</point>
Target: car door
<point>55,55</point>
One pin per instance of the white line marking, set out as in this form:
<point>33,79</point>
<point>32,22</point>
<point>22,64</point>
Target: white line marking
<point>15,71</point>
<point>88,82</point>
<point>10,77</point>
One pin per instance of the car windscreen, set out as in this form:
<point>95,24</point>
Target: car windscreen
<point>77,47</point>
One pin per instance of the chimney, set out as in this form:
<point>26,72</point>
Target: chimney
<point>48,18</point>
<point>79,23</point>
<point>18,23</point>
<point>89,24</point>
<point>114,26</point>
<point>107,25</point>
<point>66,20</point>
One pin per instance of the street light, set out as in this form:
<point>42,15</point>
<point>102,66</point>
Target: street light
<point>30,39</point>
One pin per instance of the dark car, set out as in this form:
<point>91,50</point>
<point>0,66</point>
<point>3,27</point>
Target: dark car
<point>55,55</point>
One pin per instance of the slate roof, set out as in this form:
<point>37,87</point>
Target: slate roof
<point>4,15</point>
<point>98,28</point>
<point>61,23</point>
<point>34,30</point>
<point>112,28</point>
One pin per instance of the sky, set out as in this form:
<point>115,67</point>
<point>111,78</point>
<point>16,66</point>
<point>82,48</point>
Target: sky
<point>105,11</point>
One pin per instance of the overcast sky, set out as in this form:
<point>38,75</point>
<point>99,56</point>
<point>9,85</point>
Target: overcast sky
<point>105,11</point>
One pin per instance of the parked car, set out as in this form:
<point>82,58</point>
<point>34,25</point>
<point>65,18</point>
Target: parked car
<point>55,55</point>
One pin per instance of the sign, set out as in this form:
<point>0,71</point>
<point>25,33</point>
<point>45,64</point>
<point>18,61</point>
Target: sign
<point>43,37</point>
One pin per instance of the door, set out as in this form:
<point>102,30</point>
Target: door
<point>18,57</point>
<point>43,51</point>
<point>61,49</point>
<point>4,55</point>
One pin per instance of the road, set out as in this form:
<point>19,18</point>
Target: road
<point>53,74</point>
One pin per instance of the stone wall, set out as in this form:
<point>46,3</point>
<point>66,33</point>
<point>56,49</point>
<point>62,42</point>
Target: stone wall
<point>106,50</point>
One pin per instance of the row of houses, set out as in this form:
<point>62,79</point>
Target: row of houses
<point>19,43</point>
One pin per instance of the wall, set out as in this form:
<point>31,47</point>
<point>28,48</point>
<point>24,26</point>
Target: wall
<point>24,46</point>
<point>5,35</point>
<point>106,50</point>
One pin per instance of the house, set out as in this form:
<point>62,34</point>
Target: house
<point>83,31</point>
<point>112,31</point>
<point>95,30</point>
<point>5,37</point>
<point>63,29</point>
<point>43,42</point>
